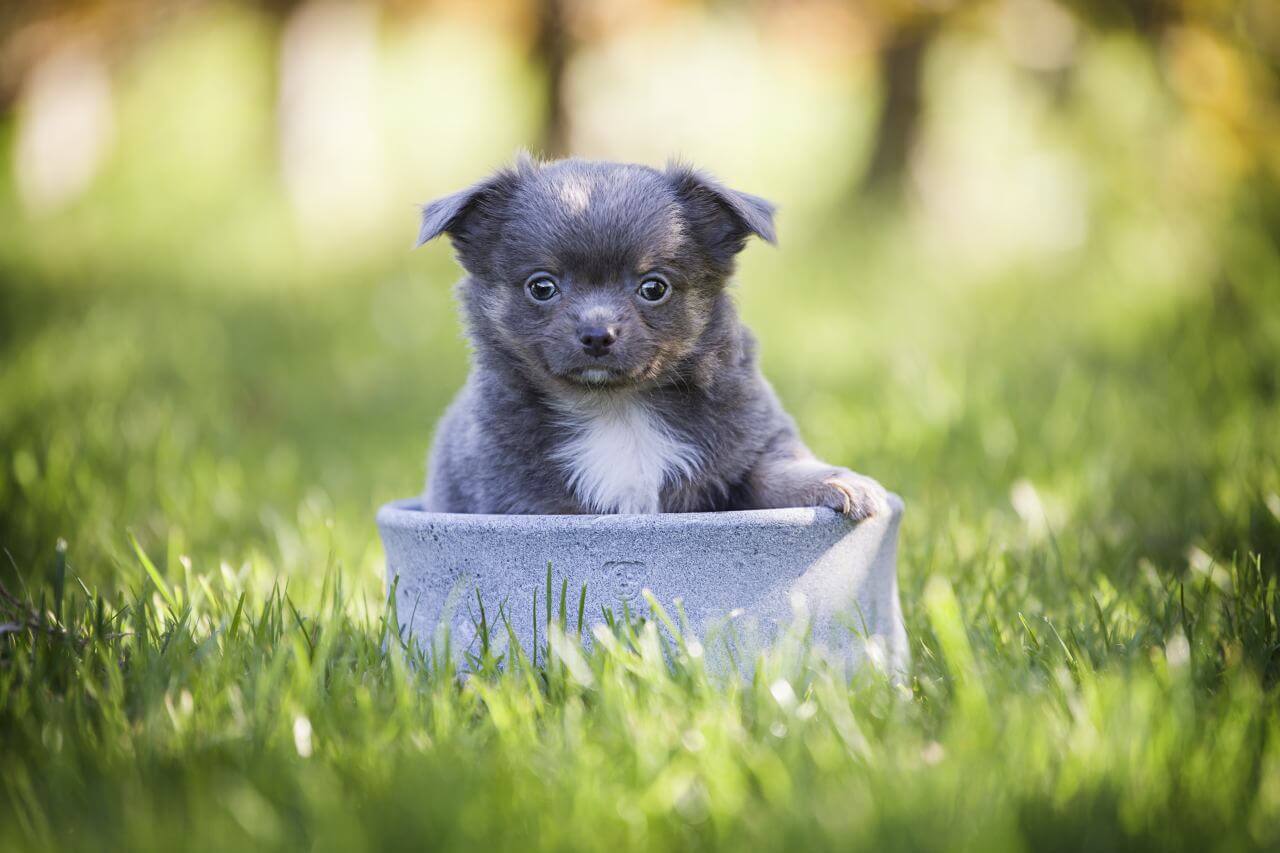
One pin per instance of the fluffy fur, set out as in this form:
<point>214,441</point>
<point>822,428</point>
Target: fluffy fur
<point>596,399</point>
<point>618,455</point>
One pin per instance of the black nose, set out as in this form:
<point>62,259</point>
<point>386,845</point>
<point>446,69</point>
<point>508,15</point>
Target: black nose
<point>596,340</point>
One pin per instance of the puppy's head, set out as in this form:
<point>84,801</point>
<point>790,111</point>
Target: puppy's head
<point>596,275</point>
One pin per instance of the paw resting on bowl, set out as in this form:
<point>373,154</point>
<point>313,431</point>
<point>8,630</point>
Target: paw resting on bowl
<point>854,495</point>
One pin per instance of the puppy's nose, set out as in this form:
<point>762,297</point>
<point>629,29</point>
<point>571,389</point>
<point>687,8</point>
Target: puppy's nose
<point>596,340</point>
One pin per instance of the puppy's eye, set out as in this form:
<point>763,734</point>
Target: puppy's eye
<point>653,289</point>
<point>541,287</point>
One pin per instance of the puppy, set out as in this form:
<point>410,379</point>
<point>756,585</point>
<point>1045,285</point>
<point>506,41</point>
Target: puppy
<point>610,372</point>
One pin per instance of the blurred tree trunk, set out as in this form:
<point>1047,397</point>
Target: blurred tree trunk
<point>901,62</point>
<point>551,50</point>
<point>15,61</point>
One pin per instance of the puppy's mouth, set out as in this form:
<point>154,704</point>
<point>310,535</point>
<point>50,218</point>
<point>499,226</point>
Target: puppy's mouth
<point>598,377</point>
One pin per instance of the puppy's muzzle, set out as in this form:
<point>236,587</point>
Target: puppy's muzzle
<point>596,340</point>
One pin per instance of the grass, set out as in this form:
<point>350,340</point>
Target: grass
<point>1089,569</point>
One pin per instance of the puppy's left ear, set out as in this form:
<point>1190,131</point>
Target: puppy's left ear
<point>723,218</point>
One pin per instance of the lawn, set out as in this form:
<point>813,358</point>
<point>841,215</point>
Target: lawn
<point>196,651</point>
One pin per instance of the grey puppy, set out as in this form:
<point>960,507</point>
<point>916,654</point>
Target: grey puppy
<point>610,371</point>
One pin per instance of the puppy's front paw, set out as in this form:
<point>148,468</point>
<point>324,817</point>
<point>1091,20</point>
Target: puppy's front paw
<point>854,495</point>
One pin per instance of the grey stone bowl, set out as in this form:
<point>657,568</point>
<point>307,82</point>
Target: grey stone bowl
<point>742,578</point>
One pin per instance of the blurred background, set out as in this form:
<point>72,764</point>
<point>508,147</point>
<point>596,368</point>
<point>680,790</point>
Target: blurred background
<point>1028,272</point>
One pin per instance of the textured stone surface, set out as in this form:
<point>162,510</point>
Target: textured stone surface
<point>743,577</point>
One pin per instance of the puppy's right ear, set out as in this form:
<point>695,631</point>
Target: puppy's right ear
<point>445,214</point>
<point>460,214</point>
<point>457,215</point>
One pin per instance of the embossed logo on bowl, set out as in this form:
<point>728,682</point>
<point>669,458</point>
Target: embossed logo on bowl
<point>629,578</point>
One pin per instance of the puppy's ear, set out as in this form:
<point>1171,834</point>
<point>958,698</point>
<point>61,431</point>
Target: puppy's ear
<point>723,218</point>
<point>446,213</point>
<point>458,215</point>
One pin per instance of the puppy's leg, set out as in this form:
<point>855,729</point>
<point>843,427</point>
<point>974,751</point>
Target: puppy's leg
<point>788,474</point>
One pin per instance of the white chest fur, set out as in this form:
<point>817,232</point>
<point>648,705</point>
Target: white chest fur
<point>618,454</point>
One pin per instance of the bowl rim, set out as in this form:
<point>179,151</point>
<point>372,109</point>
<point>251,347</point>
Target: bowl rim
<point>407,514</point>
